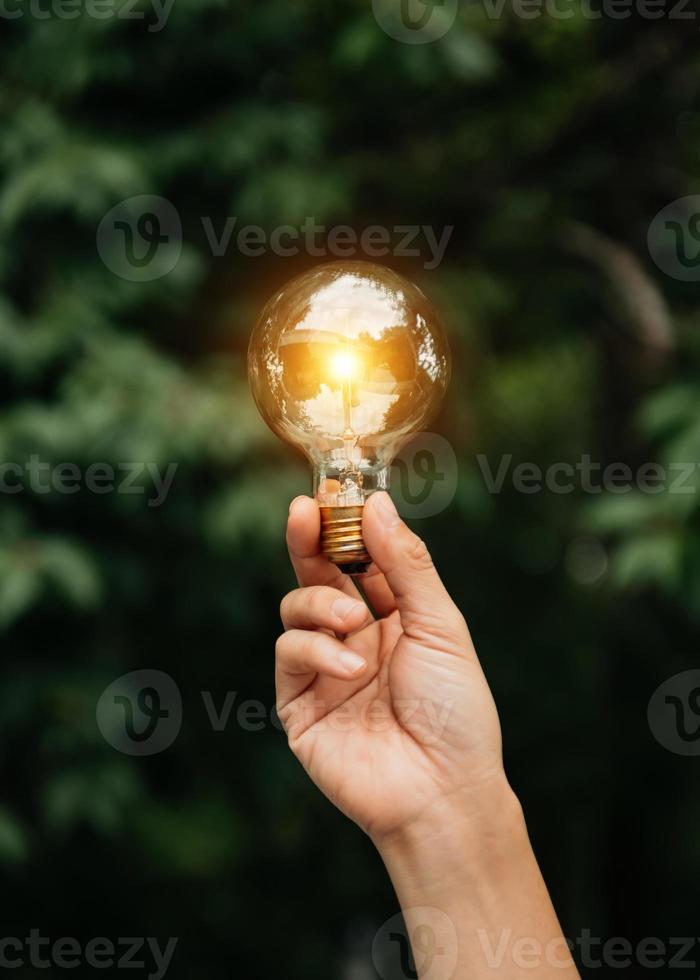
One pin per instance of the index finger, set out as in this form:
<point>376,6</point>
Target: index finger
<point>313,568</point>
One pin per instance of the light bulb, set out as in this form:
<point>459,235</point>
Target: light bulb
<point>346,362</point>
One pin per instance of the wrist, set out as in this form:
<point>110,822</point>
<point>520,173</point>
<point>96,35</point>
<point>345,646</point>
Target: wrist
<point>466,873</point>
<point>467,837</point>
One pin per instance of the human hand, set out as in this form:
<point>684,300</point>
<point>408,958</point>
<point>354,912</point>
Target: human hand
<point>392,718</point>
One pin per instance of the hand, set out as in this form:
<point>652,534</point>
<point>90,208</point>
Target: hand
<point>392,718</point>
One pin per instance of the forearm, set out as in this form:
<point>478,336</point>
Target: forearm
<point>481,903</point>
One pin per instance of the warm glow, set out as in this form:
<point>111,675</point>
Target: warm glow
<point>344,366</point>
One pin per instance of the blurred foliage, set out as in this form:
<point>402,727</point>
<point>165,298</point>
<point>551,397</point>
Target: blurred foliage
<point>549,145</point>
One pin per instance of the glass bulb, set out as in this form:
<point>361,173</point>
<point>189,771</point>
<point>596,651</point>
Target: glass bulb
<point>346,362</point>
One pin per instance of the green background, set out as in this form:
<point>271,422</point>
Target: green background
<point>549,144</point>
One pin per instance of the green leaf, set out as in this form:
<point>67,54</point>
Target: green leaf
<point>652,559</point>
<point>14,841</point>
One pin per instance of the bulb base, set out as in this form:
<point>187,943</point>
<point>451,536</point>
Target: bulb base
<point>341,538</point>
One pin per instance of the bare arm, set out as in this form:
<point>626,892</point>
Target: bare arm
<point>394,721</point>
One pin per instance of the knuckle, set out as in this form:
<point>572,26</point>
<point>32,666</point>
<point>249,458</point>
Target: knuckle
<point>439,629</point>
<point>284,713</point>
<point>286,606</point>
<point>316,596</point>
<point>418,555</point>
<point>281,646</point>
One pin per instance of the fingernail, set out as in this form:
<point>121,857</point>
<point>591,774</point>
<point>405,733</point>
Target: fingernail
<point>352,662</point>
<point>291,506</point>
<point>386,511</point>
<point>343,606</point>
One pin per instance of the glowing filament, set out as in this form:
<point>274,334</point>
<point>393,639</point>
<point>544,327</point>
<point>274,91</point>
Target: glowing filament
<point>344,366</point>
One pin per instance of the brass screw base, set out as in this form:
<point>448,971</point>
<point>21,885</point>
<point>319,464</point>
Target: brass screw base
<point>341,538</point>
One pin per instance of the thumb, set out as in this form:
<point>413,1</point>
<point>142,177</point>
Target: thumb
<point>427,611</point>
